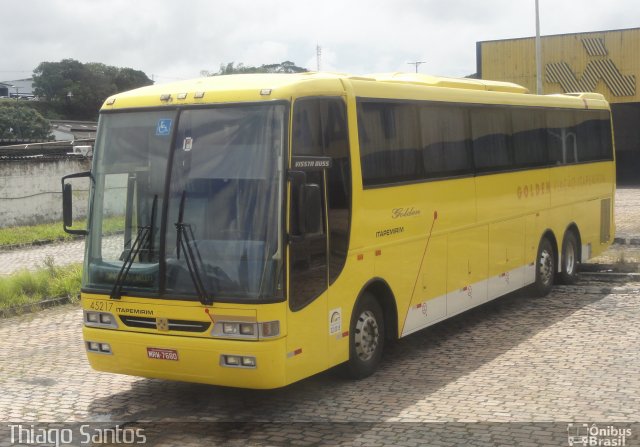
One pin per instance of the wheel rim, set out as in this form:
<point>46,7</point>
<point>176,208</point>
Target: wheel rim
<point>546,267</point>
<point>366,336</point>
<point>570,259</point>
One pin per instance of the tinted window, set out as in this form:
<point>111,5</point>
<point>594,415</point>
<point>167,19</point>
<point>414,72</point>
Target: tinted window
<point>389,142</point>
<point>491,133</point>
<point>446,149</point>
<point>529,137</point>
<point>593,135</point>
<point>561,136</point>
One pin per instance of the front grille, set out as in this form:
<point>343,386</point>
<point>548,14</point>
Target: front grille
<point>174,325</point>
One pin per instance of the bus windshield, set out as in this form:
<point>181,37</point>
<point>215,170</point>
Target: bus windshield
<point>188,203</point>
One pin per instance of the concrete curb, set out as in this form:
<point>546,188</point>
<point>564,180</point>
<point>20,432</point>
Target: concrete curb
<point>35,307</point>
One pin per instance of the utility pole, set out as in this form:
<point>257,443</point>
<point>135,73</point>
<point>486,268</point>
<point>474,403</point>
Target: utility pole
<point>318,56</point>
<point>538,53</point>
<point>416,64</point>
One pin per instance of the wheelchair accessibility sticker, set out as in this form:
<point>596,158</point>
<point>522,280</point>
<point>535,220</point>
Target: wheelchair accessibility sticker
<point>164,127</point>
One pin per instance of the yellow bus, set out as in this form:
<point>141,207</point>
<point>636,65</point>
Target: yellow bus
<point>254,230</point>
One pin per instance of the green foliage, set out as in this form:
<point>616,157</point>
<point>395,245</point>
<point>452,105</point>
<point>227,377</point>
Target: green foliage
<point>50,281</point>
<point>81,88</point>
<point>18,121</point>
<point>282,67</point>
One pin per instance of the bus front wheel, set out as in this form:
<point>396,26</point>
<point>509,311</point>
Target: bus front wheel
<point>545,268</point>
<point>366,338</point>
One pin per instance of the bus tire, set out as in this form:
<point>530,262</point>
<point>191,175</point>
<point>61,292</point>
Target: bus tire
<point>545,268</point>
<point>570,259</point>
<point>366,338</point>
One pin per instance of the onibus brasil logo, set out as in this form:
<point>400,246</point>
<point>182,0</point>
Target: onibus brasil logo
<point>594,435</point>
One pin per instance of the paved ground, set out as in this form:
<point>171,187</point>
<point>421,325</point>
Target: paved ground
<point>570,357</point>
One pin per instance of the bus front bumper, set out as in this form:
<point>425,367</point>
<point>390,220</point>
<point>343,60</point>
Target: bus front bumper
<point>188,359</point>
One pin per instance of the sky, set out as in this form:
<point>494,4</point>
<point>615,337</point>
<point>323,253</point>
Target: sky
<point>179,39</point>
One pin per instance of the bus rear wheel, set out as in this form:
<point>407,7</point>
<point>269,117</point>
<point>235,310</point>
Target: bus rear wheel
<point>570,259</point>
<point>545,268</point>
<point>366,338</point>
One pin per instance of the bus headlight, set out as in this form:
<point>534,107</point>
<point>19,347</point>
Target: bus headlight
<point>237,361</point>
<point>247,328</point>
<point>246,331</point>
<point>99,319</point>
<point>230,328</point>
<point>98,347</point>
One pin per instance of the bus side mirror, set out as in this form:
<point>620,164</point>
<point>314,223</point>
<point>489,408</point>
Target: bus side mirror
<point>310,209</point>
<point>67,204</point>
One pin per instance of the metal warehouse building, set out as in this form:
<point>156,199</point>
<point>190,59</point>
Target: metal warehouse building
<point>606,62</point>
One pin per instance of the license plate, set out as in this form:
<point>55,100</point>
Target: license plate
<point>162,354</point>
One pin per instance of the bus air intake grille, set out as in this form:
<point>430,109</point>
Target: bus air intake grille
<point>174,325</point>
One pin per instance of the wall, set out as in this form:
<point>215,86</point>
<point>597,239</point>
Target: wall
<point>606,62</point>
<point>31,192</point>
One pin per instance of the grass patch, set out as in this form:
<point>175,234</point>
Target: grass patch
<point>30,287</point>
<point>52,231</point>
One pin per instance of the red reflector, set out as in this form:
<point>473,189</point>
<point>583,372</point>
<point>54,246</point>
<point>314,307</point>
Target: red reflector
<point>297,351</point>
<point>345,334</point>
<point>378,252</point>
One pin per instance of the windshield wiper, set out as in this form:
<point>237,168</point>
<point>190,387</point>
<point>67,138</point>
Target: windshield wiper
<point>185,240</point>
<point>144,235</point>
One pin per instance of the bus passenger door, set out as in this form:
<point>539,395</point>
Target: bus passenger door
<point>316,304</point>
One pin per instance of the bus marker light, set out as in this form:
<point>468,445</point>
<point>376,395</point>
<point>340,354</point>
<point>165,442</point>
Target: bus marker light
<point>378,252</point>
<point>294,353</point>
<point>265,92</point>
<point>198,95</point>
<point>111,101</point>
<point>182,96</point>
<point>165,97</point>
<point>360,257</point>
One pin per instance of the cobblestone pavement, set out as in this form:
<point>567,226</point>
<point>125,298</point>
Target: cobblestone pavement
<point>627,212</point>
<point>570,357</point>
<point>30,258</point>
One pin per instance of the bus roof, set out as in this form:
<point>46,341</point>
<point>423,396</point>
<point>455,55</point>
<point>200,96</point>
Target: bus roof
<point>268,87</point>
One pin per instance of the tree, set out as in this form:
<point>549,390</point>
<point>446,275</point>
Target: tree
<point>81,88</point>
<point>19,122</point>
<point>282,67</point>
